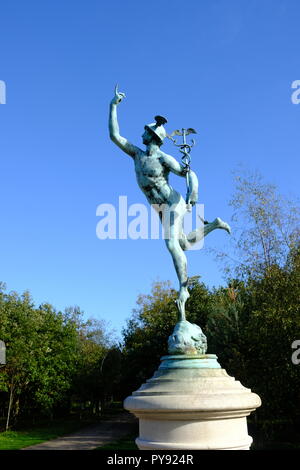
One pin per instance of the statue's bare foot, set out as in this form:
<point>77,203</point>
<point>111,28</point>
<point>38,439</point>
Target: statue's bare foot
<point>182,298</point>
<point>223,225</point>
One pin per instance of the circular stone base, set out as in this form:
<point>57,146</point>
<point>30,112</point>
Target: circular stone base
<point>191,403</point>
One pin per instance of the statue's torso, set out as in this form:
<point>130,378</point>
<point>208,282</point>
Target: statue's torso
<point>152,177</point>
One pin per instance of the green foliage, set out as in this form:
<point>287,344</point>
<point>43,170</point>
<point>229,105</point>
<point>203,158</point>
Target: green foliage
<point>145,337</point>
<point>97,367</point>
<point>51,356</point>
<point>257,318</point>
<point>41,352</point>
<point>152,322</point>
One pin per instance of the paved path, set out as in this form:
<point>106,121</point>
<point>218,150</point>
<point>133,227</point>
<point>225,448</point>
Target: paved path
<point>108,430</point>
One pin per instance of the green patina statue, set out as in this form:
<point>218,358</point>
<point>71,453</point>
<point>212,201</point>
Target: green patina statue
<point>152,168</point>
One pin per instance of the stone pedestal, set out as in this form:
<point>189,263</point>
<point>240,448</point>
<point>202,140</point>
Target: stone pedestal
<point>191,403</point>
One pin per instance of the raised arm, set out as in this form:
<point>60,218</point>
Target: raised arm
<point>114,132</point>
<point>172,165</point>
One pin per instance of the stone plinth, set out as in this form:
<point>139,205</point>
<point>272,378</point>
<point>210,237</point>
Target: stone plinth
<point>192,403</point>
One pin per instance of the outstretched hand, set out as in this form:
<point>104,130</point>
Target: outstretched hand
<point>118,96</point>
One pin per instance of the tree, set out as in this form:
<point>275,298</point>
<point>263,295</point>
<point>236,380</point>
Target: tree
<point>256,318</point>
<point>41,354</point>
<point>265,227</point>
<point>97,367</point>
<point>52,355</point>
<point>18,332</point>
<point>147,331</point>
<point>56,349</point>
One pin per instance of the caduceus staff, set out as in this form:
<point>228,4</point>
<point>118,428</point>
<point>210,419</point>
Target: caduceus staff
<point>185,149</point>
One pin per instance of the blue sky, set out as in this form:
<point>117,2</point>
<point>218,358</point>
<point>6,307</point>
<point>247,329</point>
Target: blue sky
<point>224,67</point>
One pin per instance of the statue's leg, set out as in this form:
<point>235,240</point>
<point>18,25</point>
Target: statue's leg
<point>187,241</point>
<point>173,222</point>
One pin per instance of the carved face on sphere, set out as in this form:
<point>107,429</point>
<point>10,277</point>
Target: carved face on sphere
<point>187,338</point>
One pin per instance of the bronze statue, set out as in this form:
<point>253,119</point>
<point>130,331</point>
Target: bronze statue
<point>152,168</point>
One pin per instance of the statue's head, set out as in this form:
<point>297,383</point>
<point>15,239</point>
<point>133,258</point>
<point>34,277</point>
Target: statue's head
<point>155,131</point>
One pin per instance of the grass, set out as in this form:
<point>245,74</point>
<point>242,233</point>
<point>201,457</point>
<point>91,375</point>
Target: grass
<point>27,434</point>
<point>18,439</point>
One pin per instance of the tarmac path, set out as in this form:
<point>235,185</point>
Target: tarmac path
<point>107,430</point>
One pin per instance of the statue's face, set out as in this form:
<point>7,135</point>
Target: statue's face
<point>147,137</point>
